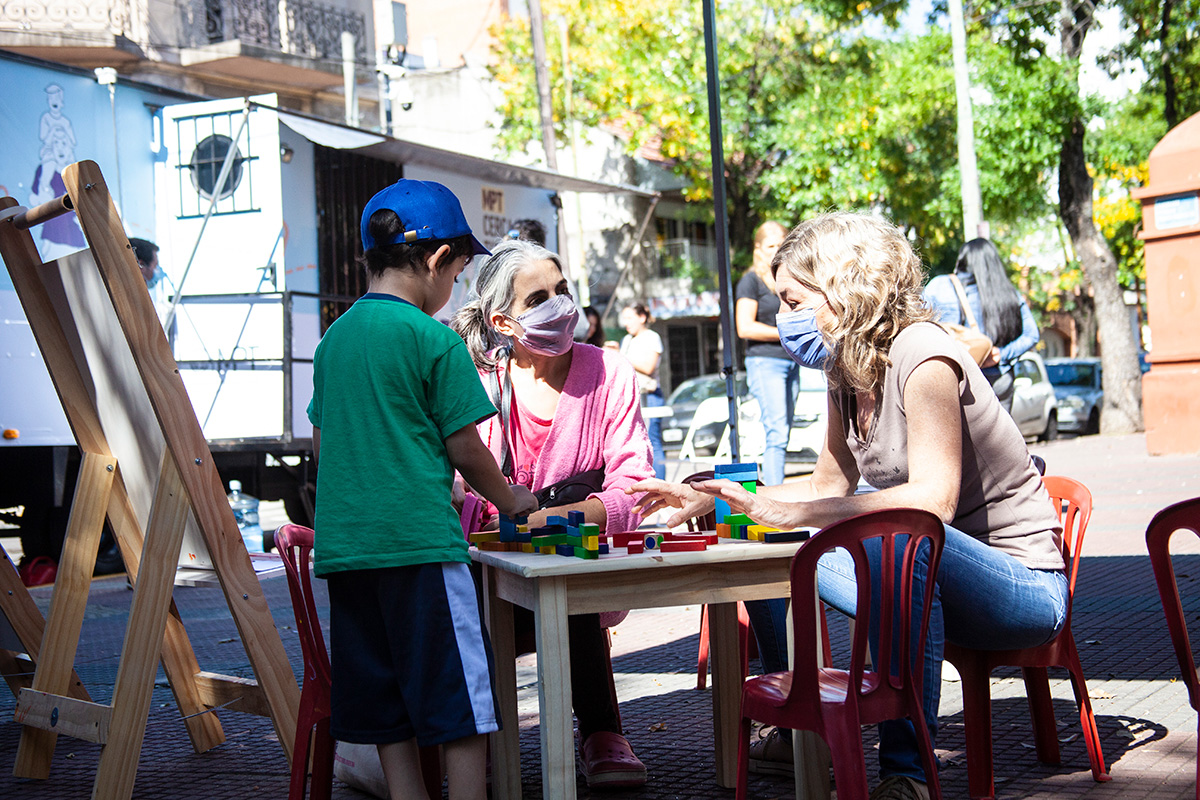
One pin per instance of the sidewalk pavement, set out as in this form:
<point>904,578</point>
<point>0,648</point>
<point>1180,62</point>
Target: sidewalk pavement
<point>1146,726</point>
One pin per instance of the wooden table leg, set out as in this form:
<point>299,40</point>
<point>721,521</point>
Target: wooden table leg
<point>506,743</point>
<point>554,689</point>
<point>727,681</point>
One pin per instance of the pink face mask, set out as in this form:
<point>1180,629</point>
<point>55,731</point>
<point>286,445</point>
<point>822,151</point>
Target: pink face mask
<point>550,327</point>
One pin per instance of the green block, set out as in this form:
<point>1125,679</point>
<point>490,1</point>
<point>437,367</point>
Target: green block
<point>589,529</point>
<point>738,519</point>
<point>750,486</point>
<point>587,555</point>
<point>550,540</point>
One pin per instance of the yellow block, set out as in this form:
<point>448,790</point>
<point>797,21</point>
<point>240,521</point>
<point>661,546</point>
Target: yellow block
<point>760,529</point>
<point>481,536</point>
<point>591,542</point>
<point>548,550</point>
<point>526,547</point>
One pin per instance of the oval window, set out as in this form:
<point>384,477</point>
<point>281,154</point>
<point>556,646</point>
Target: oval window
<point>205,166</point>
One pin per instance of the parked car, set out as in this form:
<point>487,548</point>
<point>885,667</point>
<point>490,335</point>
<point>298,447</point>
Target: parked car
<point>686,398</point>
<point>707,436</point>
<point>1079,393</point>
<point>1034,404</point>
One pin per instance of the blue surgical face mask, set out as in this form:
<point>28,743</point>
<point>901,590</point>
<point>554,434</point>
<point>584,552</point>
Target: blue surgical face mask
<point>800,337</point>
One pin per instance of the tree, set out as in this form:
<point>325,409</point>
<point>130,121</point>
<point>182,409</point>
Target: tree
<point>1122,375</point>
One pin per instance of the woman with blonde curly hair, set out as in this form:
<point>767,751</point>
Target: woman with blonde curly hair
<point>910,414</point>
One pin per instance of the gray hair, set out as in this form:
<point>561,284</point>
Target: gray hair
<point>494,293</point>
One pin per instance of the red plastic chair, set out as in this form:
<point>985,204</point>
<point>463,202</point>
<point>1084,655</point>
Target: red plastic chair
<point>976,666</point>
<point>295,543</point>
<point>1181,516</point>
<point>835,703</point>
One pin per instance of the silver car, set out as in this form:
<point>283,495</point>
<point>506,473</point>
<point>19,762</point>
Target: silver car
<point>1080,393</point>
<point>1034,405</point>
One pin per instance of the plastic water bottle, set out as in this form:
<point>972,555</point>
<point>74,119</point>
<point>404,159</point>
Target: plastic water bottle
<point>245,511</point>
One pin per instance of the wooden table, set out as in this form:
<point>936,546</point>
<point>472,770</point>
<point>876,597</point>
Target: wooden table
<point>554,586</point>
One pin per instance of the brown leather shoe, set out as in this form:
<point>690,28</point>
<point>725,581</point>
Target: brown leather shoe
<point>608,760</point>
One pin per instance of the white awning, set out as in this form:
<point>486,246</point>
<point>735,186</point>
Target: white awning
<point>399,151</point>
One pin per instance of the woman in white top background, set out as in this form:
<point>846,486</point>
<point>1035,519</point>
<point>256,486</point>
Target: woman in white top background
<point>643,347</point>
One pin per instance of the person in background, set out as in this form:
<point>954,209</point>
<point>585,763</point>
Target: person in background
<point>573,413</point>
<point>998,308</point>
<point>529,230</point>
<point>595,330</point>
<point>773,377</point>
<point>910,412</point>
<point>395,403</point>
<point>643,347</point>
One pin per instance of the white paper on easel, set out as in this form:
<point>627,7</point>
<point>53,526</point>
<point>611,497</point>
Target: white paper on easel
<point>103,356</point>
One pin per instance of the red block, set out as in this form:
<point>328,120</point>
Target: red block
<point>635,547</point>
<point>683,545</point>
<point>624,538</point>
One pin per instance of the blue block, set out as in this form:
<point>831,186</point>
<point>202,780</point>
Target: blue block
<point>603,548</point>
<point>555,519</point>
<point>575,518</point>
<point>723,510</point>
<point>522,537</point>
<point>564,550</point>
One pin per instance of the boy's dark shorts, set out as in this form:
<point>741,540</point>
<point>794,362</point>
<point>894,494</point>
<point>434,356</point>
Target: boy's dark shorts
<point>410,656</point>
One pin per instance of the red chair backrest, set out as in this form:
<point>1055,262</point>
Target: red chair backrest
<point>295,543</point>
<point>1073,504</point>
<point>894,618</point>
<point>1183,516</point>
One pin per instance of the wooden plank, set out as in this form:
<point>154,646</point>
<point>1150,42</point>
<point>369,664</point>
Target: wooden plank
<point>17,670</point>
<point>143,639</point>
<point>26,620</point>
<point>68,604</point>
<point>554,689</point>
<point>178,659</point>
<point>237,694</point>
<point>186,444</point>
<point>506,745</point>
<point>56,714</point>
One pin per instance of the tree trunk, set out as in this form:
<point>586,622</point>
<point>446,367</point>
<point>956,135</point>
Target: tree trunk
<point>1122,412</point>
<point>1084,316</point>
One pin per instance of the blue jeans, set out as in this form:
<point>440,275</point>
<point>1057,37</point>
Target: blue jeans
<point>654,429</point>
<point>984,599</point>
<point>774,382</point>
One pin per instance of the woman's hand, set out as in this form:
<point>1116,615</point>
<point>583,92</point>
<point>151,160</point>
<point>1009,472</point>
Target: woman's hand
<point>660,494</point>
<point>763,510</point>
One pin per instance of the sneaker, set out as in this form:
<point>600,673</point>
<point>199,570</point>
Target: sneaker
<point>900,787</point>
<point>771,755</point>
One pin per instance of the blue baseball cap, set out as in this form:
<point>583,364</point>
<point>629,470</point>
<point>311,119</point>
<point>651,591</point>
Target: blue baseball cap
<point>427,210</point>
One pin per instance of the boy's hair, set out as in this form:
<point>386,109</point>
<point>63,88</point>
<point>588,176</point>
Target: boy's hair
<point>143,249</point>
<point>385,225</point>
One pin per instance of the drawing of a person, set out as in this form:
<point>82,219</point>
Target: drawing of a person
<point>60,235</point>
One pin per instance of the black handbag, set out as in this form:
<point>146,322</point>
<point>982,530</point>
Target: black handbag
<point>574,489</point>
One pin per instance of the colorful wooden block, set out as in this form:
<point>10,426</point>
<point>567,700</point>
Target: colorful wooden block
<point>750,486</point>
<point>496,545</point>
<point>564,550</point>
<point>786,536</point>
<point>526,547</point>
<point>653,540</point>
<point>724,530</point>
<point>556,519</point>
<point>484,536</point>
<point>602,549</point>
<point>547,550</point>
<point>591,542</point>
<point>635,547</point>
<point>624,538</point>
<point>739,519</point>
<point>575,518</point>
<point>584,553</point>
<point>683,546</point>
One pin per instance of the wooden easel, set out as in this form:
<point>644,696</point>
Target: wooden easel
<point>147,467</point>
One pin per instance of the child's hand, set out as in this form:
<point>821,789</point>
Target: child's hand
<point>523,502</point>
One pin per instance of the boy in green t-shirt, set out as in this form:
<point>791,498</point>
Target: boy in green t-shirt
<point>395,403</point>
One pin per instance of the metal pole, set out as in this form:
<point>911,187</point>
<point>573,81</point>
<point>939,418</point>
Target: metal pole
<point>972,200</point>
<point>721,212</point>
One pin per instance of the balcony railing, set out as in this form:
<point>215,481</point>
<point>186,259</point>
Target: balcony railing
<point>292,27</point>
<point>73,16</point>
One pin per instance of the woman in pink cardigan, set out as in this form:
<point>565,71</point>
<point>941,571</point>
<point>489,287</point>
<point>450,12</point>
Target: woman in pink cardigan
<point>566,409</point>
